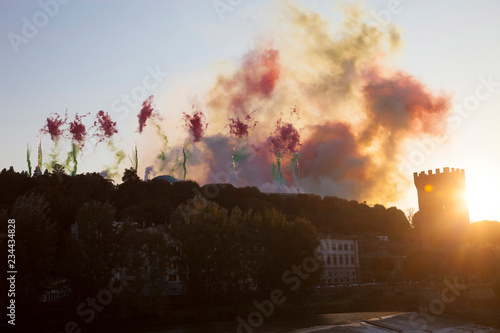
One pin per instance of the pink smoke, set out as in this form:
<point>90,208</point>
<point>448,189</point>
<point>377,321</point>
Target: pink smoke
<point>147,111</point>
<point>106,128</point>
<point>285,139</point>
<point>240,129</point>
<point>195,123</point>
<point>78,130</point>
<point>54,125</point>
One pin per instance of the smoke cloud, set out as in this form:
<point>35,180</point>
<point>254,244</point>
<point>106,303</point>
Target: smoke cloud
<point>356,112</point>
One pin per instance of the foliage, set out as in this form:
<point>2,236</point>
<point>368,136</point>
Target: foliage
<point>35,245</point>
<point>102,247</point>
<point>222,256</point>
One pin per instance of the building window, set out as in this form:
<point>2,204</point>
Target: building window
<point>346,259</point>
<point>333,247</point>
<point>341,260</point>
<point>352,247</point>
<point>352,260</point>
<point>345,247</point>
<point>328,261</point>
<point>335,260</point>
<point>173,277</point>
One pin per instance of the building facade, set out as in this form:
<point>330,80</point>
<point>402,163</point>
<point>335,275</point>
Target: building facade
<point>340,255</point>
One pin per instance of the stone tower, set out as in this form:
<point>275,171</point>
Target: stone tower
<point>443,210</point>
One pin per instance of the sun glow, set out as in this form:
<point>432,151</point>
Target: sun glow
<point>483,194</point>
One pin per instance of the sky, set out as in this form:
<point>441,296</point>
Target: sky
<point>381,89</point>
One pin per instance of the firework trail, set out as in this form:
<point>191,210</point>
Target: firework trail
<point>196,126</point>
<point>148,111</point>
<point>105,129</point>
<point>38,169</point>
<point>54,127</point>
<point>134,159</point>
<point>40,154</point>
<point>184,161</point>
<point>28,159</point>
<point>295,159</point>
<point>285,139</point>
<point>239,130</point>
<point>296,170</point>
<point>180,162</point>
<point>78,133</point>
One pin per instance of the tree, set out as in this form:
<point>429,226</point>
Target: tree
<point>410,213</point>
<point>130,175</point>
<point>223,256</point>
<point>35,248</point>
<point>206,244</point>
<point>101,247</point>
<point>277,246</point>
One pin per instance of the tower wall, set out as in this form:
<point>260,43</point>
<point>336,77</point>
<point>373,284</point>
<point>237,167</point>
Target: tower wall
<point>441,197</point>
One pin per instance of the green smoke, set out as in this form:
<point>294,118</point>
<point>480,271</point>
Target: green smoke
<point>181,163</point>
<point>276,172</point>
<point>119,157</point>
<point>72,159</point>
<point>28,158</point>
<point>162,156</point>
<point>296,170</point>
<point>54,155</point>
<point>40,156</point>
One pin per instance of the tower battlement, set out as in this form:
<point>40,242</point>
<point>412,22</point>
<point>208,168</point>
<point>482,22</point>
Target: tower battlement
<point>446,170</point>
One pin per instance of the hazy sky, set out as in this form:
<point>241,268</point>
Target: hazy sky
<point>86,55</point>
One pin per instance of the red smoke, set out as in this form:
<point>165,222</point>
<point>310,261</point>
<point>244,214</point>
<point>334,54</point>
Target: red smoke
<point>285,139</point>
<point>238,128</point>
<point>256,79</point>
<point>195,123</point>
<point>78,130</point>
<point>147,111</point>
<point>332,151</point>
<point>106,128</point>
<point>54,124</point>
<point>402,102</point>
